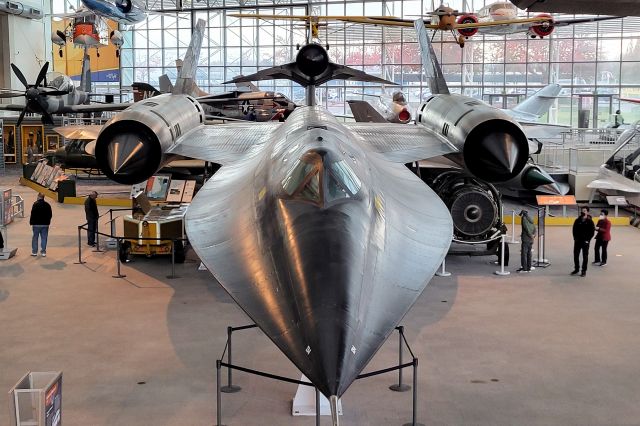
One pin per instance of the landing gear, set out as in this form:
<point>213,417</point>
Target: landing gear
<point>461,40</point>
<point>117,53</point>
<point>60,52</point>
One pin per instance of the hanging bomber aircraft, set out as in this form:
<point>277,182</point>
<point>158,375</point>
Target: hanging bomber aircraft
<point>314,227</point>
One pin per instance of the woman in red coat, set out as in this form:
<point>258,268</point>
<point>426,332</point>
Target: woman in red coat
<point>603,237</point>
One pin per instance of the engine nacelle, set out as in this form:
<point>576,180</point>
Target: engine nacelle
<point>131,146</point>
<point>467,19</point>
<point>492,145</point>
<point>474,205</point>
<point>542,30</point>
<point>124,6</point>
<point>59,38</point>
<point>116,38</point>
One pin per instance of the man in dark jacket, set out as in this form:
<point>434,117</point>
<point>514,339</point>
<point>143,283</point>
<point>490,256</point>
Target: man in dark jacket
<point>40,220</point>
<point>91,213</point>
<point>603,227</point>
<point>526,237</point>
<point>583,230</point>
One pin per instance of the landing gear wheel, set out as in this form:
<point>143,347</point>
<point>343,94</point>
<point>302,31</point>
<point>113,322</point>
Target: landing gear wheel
<point>124,254</point>
<point>461,41</point>
<point>60,52</point>
<point>117,53</point>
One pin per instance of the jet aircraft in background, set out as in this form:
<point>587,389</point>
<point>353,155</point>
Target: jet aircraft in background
<point>394,109</point>
<point>308,218</point>
<point>620,175</point>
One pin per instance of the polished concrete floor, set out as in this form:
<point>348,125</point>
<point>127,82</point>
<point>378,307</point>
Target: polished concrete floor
<point>544,348</point>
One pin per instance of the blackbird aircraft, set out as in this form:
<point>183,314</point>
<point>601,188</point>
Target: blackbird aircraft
<point>314,227</point>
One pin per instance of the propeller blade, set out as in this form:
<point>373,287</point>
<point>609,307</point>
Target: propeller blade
<point>5,95</point>
<point>42,74</point>
<point>24,111</point>
<point>47,118</point>
<point>20,76</point>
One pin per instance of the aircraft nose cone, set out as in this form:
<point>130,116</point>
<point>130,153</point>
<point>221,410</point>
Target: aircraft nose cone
<point>495,155</point>
<point>535,177</point>
<point>32,94</point>
<point>126,154</point>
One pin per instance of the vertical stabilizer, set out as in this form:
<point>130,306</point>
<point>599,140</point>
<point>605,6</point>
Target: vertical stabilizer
<point>539,103</point>
<point>187,74</point>
<point>246,86</point>
<point>430,64</point>
<point>85,75</point>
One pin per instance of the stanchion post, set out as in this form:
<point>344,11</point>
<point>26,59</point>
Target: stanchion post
<point>119,275</point>
<point>502,271</point>
<point>79,262</point>
<point>230,388</point>
<point>443,272</point>
<point>414,414</point>
<point>173,266</point>
<point>317,407</point>
<point>97,233</point>
<point>400,387</point>
<point>218,395</point>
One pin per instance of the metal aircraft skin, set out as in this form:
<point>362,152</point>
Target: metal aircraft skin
<point>620,174</point>
<point>315,227</point>
<point>124,12</point>
<point>594,7</point>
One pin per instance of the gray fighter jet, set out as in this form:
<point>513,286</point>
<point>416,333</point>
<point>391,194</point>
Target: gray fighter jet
<point>315,227</point>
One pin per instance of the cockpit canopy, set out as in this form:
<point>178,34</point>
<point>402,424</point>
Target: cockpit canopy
<point>60,81</point>
<point>318,178</point>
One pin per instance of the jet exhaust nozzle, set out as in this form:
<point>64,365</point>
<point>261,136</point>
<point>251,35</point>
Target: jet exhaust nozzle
<point>496,151</point>
<point>128,153</point>
<point>312,60</point>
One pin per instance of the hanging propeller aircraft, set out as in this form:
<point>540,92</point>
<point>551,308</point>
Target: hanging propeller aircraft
<point>446,19</point>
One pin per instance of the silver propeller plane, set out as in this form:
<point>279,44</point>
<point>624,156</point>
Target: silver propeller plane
<point>315,227</point>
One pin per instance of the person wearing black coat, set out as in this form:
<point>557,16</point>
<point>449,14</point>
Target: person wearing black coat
<point>40,220</point>
<point>91,213</point>
<point>583,231</point>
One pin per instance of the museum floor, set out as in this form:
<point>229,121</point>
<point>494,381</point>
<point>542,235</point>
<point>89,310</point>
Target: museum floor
<point>543,348</point>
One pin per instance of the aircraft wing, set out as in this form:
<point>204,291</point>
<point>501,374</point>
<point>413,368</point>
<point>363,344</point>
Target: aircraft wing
<point>402,143</point>
<point>82,13</point>
<point>93,108</point>
<point>632,100</point>
<point>223,144</point>
<point>85,132</point>
<point>363,112</point>
<point>613,181</point>
<point>543,130</point>
<point>11,107</point>
<point>593,7</point>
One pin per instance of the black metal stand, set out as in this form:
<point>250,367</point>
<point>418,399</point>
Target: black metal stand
<point>97,232</point>
<point>230,388</point>
<point>400,387</point>
<point>118,275</point>
<point>80,261</point>
<point>173,262</point>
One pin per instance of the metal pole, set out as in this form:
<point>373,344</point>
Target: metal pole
<point>119,275</point>
<point>513,227</point>
<point>317,407</point>
<point>414,414</point>
<point>502,271</point>
<point>218,395</point>
<point>79,262</point>
<point>230,388</point>
<point>173,265</point>
<point>400,387</point>
<point>444,272</point>
<point>97,250</point>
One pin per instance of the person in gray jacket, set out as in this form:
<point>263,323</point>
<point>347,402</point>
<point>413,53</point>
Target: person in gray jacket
<point>527,236</point>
